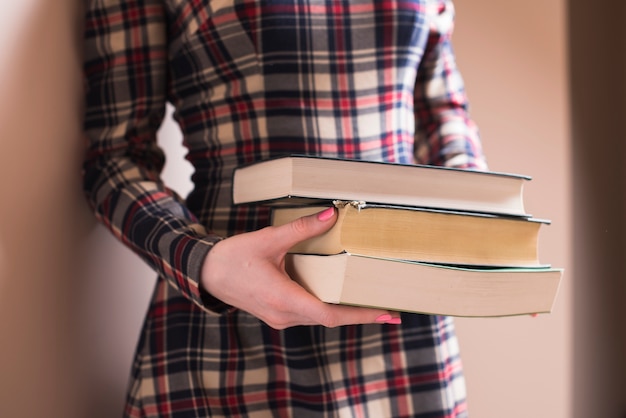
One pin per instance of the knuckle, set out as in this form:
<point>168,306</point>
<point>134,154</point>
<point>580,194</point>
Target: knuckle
<point>276,313</point>
<point>275,324</point>
<point>279,326</point>
<point>327,318</point>
<point>299,226</point>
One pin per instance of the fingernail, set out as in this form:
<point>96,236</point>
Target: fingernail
<point>383,318</point>
<point>326,215</point>
<point>388,319</point>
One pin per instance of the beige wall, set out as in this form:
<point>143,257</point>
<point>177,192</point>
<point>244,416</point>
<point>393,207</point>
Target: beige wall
<point>514,62</point>
<point>72,299</point>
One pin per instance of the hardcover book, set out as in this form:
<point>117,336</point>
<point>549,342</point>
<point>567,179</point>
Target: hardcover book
<point>417,234</point>
<point>425,288</point>
<point>302,179</point>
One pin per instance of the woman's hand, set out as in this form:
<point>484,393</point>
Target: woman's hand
<point>247,271</point>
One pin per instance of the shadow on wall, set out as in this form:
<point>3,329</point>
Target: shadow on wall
<point>598,87</point>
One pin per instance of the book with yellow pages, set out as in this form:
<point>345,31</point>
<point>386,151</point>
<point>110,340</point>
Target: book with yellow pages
<point>425,288</point>
<point>417,234</point>
<point>297,179</point>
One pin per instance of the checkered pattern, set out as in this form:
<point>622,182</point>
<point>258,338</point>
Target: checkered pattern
<point>251,80</point>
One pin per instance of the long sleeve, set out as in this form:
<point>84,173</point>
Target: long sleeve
<point>445,134</point>
<point>126,80</point>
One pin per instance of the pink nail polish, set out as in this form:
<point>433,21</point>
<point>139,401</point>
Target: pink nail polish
<point>326,215</point>
<point>388,319</point>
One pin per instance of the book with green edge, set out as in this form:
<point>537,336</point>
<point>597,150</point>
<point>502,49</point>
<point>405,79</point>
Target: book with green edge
<point>425,288</point>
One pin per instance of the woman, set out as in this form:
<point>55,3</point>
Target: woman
<point>227,332</point>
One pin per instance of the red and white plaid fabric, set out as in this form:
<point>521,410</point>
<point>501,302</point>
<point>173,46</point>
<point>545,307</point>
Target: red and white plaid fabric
<point>251,80</point>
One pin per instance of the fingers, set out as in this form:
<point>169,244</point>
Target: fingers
<point>247,272</point>
<point>289,305</point>
<point>338,315</point>
<point>332,316</point>
<point>288,235</point>
<point>306,309</point>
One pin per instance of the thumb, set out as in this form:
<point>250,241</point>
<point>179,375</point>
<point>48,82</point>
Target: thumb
<point>303,228</point>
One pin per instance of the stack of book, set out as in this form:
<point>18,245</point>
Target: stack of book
<point>409,238</point>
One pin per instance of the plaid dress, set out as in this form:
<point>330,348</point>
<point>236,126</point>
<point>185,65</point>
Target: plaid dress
<point>251,80</point>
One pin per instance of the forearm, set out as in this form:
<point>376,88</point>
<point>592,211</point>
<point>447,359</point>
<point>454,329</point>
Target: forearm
<point>126,78</point>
